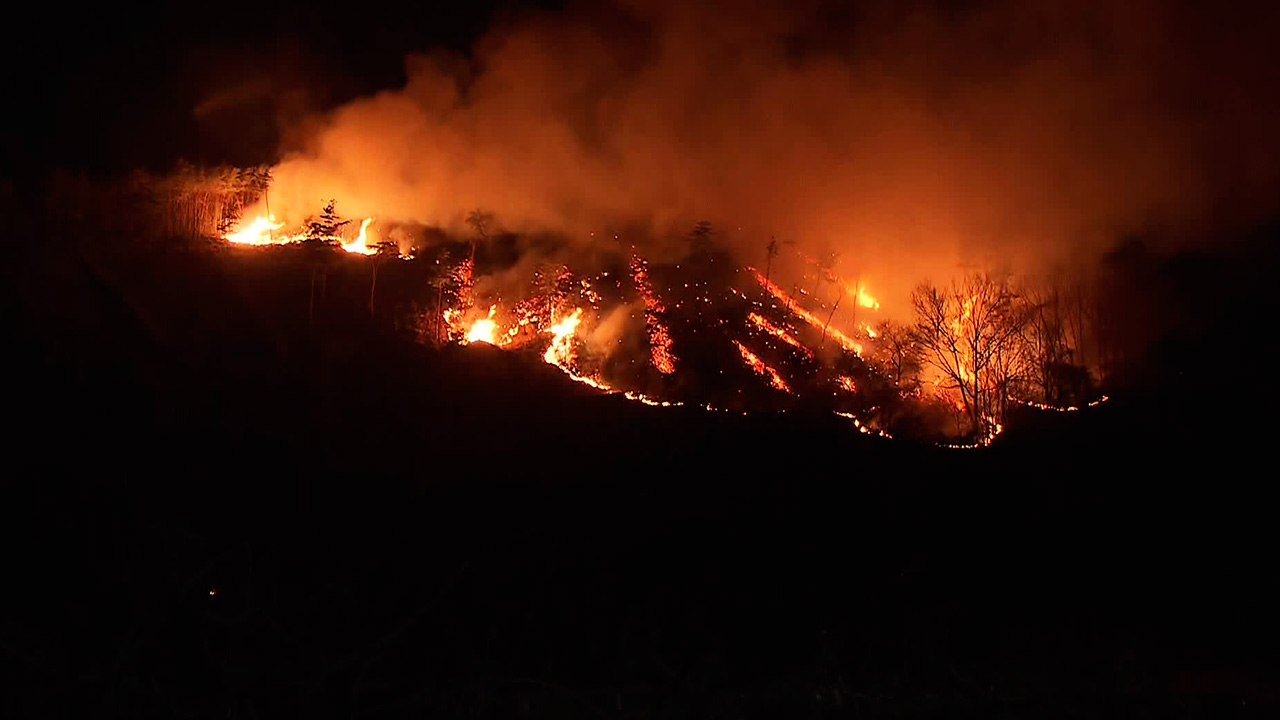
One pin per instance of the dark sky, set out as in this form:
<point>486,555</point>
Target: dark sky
<point>118,86</point>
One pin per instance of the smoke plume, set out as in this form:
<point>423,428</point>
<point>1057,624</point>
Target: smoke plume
<point>912,139</point>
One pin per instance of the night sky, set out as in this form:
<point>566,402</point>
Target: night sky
<point>114,88</point>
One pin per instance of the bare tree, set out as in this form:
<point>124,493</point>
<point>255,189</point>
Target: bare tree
<point>770,252</point>
<point>479,221</point>
<point>900,355</point>
<point>972,334</point>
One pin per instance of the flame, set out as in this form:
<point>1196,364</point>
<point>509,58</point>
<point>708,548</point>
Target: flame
<point>560,353</point>
<point>1055,408</point>
<point>846,382</point>
<point>483,330</point>
<point>763,323</point>
<point>844,340</point>
<point>758,365</point>
<point>863,428</point>
<point>358,245</point>
<point>659,339</point>
<point>866,301</point>
<point>258,232</point>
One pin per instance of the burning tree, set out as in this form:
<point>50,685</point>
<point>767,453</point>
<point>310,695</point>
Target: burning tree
<point>972,334</point>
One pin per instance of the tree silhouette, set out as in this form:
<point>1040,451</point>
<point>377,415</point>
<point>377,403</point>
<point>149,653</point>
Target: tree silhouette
<point>385,250</point>
<point>972,334</point>
<point>700,238</point>
<point>319,240</point>
<point>899,354</point>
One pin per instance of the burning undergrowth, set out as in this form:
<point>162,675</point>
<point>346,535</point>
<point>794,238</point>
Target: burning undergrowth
<point>701,330</point>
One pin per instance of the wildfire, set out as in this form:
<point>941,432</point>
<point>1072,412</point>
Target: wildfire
<point>846,383</point>
<point>258,232</point>
<point>844,341</point>
<point>863,428</point>
<point>358,245</point>
<point>659,340</point>
<point>1055,408</point>
<point>560,353</point>
<point>993,431</point>
<point>864,298</point>
<point>763,323</point>
<point>758,365</point>
<point>485,329</point>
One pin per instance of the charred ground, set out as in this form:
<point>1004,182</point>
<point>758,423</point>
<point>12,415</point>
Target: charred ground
<point>216,510</point>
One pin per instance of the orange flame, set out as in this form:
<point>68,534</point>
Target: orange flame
<point>258,232</point>
<point>659,339</point>
<point>560,353</point>
<point>758,365</point>
<point>485,329</point>
<point>844,340</point>
<point>358,245</point>
<point>763,323</point>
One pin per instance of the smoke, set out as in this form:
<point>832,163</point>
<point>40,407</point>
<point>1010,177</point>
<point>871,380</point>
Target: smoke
<point>912,139</point>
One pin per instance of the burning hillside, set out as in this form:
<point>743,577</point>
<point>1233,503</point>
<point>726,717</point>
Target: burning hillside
<point>704,331</point>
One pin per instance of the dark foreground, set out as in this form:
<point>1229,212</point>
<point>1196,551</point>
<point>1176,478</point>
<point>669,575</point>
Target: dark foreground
<point>215,526</point>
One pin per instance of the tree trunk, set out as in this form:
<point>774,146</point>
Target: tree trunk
<point>829,316</point>
<point>373,286</point>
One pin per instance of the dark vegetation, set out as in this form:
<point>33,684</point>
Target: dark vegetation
<point>388,529</point>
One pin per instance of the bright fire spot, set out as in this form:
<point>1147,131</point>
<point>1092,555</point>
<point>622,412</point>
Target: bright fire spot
<point>871,332</point>
<point>358,245</point>
<point>659,339</point>
<point>758,365</point>
<point>484,329</point>
<point>866,301</point>
<point>847,383</point>
<point>560,353</point>
<point>258,232</point>
<point>844,340</point>
<point>763,323</point>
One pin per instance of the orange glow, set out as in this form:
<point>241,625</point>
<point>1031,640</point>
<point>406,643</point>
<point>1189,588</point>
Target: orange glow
<point>358,245</point>
<point>560,353</point>
<point>844,341</point>
<point>763,323</point>
<point>258,232</point>
<point>485,329</point>
<point>846,382</point>
<point>659,339</point>
<point>758,365</point>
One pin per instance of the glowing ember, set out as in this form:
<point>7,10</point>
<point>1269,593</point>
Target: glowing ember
<point>659,340</point>
<point>1055,408</point>
<point>846,383</point>
<point>358,245</point>
<point>763,323</point>
<point>258,232</point>
<point>560,353</point>
<point>758,365</point>
<point>844,340</point>
<point>485,329</point>
<point>863,428</point>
